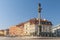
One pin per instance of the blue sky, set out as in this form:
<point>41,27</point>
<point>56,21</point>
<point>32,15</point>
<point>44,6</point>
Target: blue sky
<point>13,12</point>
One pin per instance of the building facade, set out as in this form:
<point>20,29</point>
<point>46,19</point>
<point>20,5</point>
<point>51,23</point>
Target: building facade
<point>16,31</point>
<point>56,31</point>
<point>30,27</point>
<point>3,32</point>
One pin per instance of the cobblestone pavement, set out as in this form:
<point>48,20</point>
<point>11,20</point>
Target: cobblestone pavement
<point>18,38</point>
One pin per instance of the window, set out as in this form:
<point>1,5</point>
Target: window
<point>42,22</point>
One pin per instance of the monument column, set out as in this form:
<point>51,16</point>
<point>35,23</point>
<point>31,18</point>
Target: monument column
<point>39,18</point>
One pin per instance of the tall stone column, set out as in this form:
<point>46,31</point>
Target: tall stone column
<point>39,18</point>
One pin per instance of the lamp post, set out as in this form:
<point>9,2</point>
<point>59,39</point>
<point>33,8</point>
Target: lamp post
<point>39,18</point>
